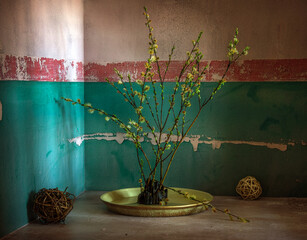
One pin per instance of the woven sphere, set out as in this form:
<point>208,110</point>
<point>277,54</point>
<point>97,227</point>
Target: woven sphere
<point>249,188</point>
<point>53,205</point>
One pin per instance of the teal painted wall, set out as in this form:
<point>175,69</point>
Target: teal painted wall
<point>34,149</point>
<point>252,112</point>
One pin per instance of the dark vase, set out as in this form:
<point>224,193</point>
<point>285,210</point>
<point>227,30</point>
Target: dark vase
<point>152,194</point>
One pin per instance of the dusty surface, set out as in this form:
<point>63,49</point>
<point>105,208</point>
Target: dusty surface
<point>271,218</point>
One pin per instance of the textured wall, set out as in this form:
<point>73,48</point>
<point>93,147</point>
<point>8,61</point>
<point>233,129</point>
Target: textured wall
<point>250,128</point>
<point>255,126</point>
<point>34,151</point>
<point>51,29</point>
<point>115,30</point>
<point>106,33</point>
<point>115,36</point>
<point>43,41</point>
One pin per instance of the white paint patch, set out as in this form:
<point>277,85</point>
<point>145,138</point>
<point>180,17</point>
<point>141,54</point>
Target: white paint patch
<point>0,111</point>
<point>216,77</point>
<point>70,70</point>
<point>42,66</point>
<point>242,70</point>
<point>92,78</point>
<point>118,137</point>
<point>216,144</point>
<point>193,139</point>
<point>21,69</point>
<point>59,74</point>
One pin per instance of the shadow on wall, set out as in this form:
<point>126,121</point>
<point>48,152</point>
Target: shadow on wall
<point>30,204</point>
<point>34,150</point>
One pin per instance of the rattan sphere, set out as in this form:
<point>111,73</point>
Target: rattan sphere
<point>53,205</point>
<point>249,188</point>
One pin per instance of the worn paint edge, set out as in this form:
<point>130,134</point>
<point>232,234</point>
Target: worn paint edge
<point>27,68</point>
<point>193,139</point>
<point>43,69</point>
<point>258,70</point>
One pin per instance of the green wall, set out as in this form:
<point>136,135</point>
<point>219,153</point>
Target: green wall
<point>252,112</point>
<point>34,149</point>
<point>36,125</point>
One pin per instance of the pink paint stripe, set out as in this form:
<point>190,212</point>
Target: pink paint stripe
<point>242,71</point>
<point>40,69</point>
<point>269,70</point>
<point>49,69</point>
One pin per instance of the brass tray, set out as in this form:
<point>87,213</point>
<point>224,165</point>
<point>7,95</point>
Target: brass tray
<point>124,201</point>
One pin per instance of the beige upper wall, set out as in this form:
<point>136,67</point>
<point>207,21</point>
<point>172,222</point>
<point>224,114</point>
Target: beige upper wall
<point>42,28</point>
<point>115,30</point>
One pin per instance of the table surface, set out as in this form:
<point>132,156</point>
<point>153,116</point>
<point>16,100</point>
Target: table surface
<point>270,218</point>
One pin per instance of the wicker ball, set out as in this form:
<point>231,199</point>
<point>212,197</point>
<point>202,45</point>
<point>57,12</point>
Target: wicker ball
<point>53,205</point>
<point>249,188</point>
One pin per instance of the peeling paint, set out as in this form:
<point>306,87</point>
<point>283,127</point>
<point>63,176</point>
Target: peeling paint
<point>193,139</point>
<point>216,77</point>
<point>70,70</point>
<point>216,144</point>
<point>21,69</point>
<point>119,138</point>
<point>48,69</point>
<point>40,69</point>
<point>257,70</point>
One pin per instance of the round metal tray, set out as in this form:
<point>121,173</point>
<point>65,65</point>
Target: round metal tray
<point>124,201</point>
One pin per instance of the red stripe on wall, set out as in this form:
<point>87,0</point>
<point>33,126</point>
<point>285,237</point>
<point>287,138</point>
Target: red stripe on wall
<point>40,69</point>
<point>49,69</point>
<point>241,71</point>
